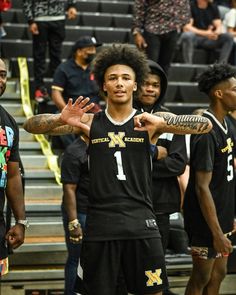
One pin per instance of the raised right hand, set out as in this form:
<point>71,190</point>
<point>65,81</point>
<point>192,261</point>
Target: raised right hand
<point>73,112</point>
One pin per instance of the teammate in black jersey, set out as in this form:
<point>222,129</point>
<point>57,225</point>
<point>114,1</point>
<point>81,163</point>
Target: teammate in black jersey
<point>121,234</point>
<point>209,198</point>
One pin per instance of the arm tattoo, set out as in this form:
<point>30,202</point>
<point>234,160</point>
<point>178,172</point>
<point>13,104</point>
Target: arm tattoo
<point>185,122</point>
<point>65,129</point>
<point>42,123</point>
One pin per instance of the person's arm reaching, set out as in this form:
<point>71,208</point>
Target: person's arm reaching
<point>220,242</point>
<point>69,191</point>
<point>14,194</point>
<point>55,124</point>
<point>58,98</point>
<point>161,122</point>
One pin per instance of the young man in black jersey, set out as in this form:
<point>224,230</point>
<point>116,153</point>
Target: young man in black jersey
<point>169,159</point>
<point>121,234</point>
<point>209,198</point>
<point>10,181</point>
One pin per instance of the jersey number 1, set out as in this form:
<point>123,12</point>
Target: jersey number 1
<point>120,175</point>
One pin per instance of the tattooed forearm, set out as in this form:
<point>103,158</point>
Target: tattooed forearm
<point>186,122</point>
<point>41,124</point>
<point>65,129</point>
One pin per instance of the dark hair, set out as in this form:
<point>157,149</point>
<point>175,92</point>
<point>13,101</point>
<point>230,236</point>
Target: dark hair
<point>123,54</point>
<point>213,75</point>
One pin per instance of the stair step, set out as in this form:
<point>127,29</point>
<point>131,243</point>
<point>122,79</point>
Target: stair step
<point>39,173</point>
<point>42,208</point>
<point>26,136</point>
<point>34,274</point>
<point>19,119</point>
<point>46,226</point>
<point>29,145</point>
<point>34,161</point>
<point>12,87</point>
<point>14,109</point>
<point>46,190</point>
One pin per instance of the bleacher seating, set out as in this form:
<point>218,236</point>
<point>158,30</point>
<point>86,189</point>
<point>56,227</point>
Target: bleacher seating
<point>43,255</point>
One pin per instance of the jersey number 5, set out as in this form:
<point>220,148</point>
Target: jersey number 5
<point>230,168</point>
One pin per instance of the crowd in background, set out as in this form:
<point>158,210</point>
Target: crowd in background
<point>158,29</point>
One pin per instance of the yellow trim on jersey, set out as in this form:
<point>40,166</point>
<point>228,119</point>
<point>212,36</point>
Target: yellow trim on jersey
<point>25,98</point>
<point>57,88</point>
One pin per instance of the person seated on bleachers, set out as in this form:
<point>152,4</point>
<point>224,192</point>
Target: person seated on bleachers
<point>229,23</point>
<point>205,31</point>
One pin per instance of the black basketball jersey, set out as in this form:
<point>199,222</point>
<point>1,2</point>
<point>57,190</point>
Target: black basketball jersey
<point>211,152</point>
<point>120,176</point>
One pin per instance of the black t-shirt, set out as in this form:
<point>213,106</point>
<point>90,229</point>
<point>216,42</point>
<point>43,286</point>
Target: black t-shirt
<point>74,170</point>
<point>211,152</point>
<point>203,17</point>
<point>120,204</point>
<point>75,81</point>
<point>9,151</point>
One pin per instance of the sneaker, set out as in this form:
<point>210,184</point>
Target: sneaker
<point>41,95</point>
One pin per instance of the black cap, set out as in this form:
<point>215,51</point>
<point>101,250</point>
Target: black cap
<point>85,41</point>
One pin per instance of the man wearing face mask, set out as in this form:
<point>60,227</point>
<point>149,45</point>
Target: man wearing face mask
<point>73,78</point>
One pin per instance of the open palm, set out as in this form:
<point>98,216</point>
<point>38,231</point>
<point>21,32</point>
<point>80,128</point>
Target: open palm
<point>73,112</point>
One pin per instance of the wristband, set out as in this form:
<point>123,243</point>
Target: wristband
<point>24,222</point>
<point>73,224</point>
<point>154,151</point>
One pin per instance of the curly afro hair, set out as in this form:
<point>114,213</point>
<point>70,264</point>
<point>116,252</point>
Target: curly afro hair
<point>213,75</point>
<point>123,54</point>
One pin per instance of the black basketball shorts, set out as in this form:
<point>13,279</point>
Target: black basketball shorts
<point>140,262</point>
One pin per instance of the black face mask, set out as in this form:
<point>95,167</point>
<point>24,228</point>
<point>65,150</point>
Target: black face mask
<point>89,58</point>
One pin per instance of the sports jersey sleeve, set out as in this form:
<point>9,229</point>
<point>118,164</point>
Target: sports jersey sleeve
<point>70,169</point>
<point>203,152</point>
<point>174,164</point>
<point>59,78</point>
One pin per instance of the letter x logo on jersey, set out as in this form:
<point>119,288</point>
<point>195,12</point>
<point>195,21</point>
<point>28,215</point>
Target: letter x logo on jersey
<point>153,277</point>
<point>116,139</point>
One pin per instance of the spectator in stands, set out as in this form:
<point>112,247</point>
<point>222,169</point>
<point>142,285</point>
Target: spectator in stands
<point>47,24</point>
<point>120,175</point>
<point>75,181</point>
<point>205,31</point>
<point>224,6</point>
<point>169,157</point>
<point>10,182</point>
<point>229,23</point>
<point>73,78</point>
<point>209,198</point>
<point>156,25</point>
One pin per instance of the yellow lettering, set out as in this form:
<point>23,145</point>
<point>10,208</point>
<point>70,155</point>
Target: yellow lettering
<point>133,139</point>
<point>153,277</point>
<point>100,140</point>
